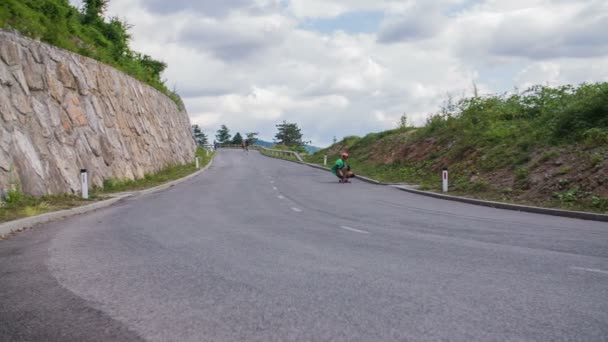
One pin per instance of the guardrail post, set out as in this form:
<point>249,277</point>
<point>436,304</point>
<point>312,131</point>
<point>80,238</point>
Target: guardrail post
<point>444,177</point>
<point>198,163</point>
<point>84,183</point>
<point>325,160</point>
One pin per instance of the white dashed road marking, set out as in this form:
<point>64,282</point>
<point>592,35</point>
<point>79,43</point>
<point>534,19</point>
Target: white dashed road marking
<point>297,210</point>
<point>589,270</point>
<point>281,197</point>
<point>354,230</point>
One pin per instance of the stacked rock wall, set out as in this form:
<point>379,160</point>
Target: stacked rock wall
<point>60,112</point>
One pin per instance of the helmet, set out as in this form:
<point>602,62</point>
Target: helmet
<point>344,155</point>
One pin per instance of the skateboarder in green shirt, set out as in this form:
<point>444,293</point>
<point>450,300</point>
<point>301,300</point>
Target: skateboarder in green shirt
<point>342,170</point>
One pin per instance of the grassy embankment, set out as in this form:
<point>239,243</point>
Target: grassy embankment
<point>19,205</point>
<point>545,146</point>
<point>85,32</point>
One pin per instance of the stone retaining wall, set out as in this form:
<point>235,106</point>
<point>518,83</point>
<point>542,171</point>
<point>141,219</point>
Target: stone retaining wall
<point>60,112</point>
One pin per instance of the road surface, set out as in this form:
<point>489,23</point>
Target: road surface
<point>259,249</point>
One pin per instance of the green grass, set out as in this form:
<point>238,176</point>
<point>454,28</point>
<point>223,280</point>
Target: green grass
<point>19,205</point>
<point>107,40</point>
<point>167,174</point>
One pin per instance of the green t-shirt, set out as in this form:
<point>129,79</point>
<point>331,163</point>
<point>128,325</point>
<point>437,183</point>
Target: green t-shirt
<point>338,165</point>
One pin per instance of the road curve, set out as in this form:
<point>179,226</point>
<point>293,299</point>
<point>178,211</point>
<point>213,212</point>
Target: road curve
<point>259,249</point>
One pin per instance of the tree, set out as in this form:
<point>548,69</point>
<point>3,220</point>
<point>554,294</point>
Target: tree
<point>93,10</point>
<point>403,122</point>
<point>238,139</point>
<point>223,135</point>
<point>289,134</point>
<point>199,136</point>
<point>117,31</point>
<point>252,137</point>
<point>335,140</point>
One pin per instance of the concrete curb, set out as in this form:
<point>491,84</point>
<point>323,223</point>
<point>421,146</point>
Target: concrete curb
<point>508,206</point>
<point>498,205</point>
<point>28,222</point>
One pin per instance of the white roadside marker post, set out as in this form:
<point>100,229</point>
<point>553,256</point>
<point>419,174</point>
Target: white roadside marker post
<point>84,182</point>
<point>198,163</point>
<point>325,160</point>
<point>445,179</point>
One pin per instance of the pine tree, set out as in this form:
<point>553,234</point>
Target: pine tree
<point>238,139</point>
<point>289,134</point>
<point>252,137</point>
<point>223,135</point>
<point>199,136</point>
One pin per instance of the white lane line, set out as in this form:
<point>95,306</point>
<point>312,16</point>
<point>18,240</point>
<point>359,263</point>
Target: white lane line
<point>589,270</point>
<point>297,210</point>
<point>281,197</point>
<point>275,188</point>
<point>354,230</point>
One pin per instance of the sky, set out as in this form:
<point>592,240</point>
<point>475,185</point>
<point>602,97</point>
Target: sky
<point>351,67</point>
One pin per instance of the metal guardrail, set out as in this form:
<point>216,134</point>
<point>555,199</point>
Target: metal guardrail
<point>272,152</point>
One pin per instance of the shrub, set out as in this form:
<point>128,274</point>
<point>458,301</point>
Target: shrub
<point>14,196</point>
<point>596,136</point>
<point>600,203</point>
<point>595,159</point>
<point>568,196</point>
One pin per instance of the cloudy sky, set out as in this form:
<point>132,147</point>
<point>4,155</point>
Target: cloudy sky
<point>343,67</point>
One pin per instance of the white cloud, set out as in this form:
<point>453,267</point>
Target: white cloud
<point>249,64</point>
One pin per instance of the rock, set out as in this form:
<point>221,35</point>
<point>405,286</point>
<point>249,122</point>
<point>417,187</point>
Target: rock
<point>6,77</point>
<point>41,112</point>
<point>10,52</point>
<point>65,76</point>
<point>66,125</point>
<point>5,161</point>
<point>20,101</point>
<point>74,109</point>
<point>81,81</point>
<point>55,88</point>
<point>54,113</point>
<point>106,151</point>
<point>30,170</point>
<point>34,75</point>
<point>35,52</point>
<point>20,77</point>
<point>6,110</point>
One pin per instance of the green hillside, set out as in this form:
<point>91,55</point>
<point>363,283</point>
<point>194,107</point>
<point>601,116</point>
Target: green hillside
<point>545,146</point>
<point>85,32</point>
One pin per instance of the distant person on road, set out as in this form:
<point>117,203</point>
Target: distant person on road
<point>342,170</point>
<point>246,142</point>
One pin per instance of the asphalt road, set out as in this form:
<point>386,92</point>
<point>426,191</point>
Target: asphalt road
<point>258,249</point>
